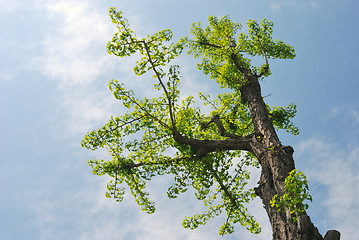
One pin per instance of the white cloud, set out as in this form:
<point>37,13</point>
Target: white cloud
<point>8,6</point>
<point>82,110</point>
<point>6,76</point>
<point>348,113</point>
<point>297,4</point>
<point>74,55</point>
<point>74,48</point>
<point>346,121</point>
<point>335,167</point>
<point>69,214</point>
<point>355,116</point>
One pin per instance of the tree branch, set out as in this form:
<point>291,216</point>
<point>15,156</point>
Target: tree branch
<point>204,147</point>
<point>232,45</point>
<point>215,119</point>
<point>245,71</point>
<point>209,44</point>
<point>223,187</point>
<point>146,112</point>
<point>221,129</point>
<point>140,164</point>
<point>170,104</point>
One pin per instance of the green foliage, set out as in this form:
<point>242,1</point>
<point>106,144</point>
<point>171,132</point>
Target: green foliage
<point>236,212</point>
<point>153,48</point>
<point>141,142</point>
<point>281,118</point>
<point>223,55</point>
<point>296,192</point>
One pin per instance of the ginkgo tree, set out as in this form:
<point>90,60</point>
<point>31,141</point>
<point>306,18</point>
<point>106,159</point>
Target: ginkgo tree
<point>208,151</point>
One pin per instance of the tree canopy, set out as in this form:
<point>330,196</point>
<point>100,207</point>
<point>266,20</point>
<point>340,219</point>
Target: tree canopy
<point>208,151</point>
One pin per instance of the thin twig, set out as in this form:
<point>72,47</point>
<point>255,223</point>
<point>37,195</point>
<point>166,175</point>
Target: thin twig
<point>162,85</point>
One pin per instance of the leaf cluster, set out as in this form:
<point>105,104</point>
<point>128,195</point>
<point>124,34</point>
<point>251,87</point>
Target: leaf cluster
<point>281,118</point>
<point>296,192</point>
<point>230,179</point>
<point>153,48</point>
<point>226,58</point>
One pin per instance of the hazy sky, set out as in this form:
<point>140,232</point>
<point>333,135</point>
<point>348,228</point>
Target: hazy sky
<point>54,71</point>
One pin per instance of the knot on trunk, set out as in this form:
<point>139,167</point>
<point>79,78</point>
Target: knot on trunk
<point>332,235</point>
<point>288,149</point>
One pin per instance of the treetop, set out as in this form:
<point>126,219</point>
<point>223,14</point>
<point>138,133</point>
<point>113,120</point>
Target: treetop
<point>162,135</point>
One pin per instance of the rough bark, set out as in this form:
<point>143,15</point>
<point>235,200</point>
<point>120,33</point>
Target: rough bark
<point>276,162</point>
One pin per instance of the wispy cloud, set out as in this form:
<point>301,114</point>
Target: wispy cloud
<point>74,50</point>
<point>278,5</point>
<point>74,55</point>
<point>335,167</point>
<point>347,113</point>
<point>6,76</point>
<point>8,6</point>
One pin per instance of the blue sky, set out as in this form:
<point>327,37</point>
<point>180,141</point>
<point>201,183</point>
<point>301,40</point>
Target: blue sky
<point>54,73</point>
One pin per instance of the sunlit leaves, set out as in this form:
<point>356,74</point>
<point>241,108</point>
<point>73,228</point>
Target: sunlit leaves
<point>296,192</point>
<point>225,58</point>
<point>215,44</point>
<point>233,180</point>
<point>153,48</point>
<point>115,191</point>
<point>260,41</point>
<point>282,118</point>
<point>124,42</point>
<point>148,117</point>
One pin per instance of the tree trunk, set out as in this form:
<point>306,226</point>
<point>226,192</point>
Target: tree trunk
<point>276,162</point>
